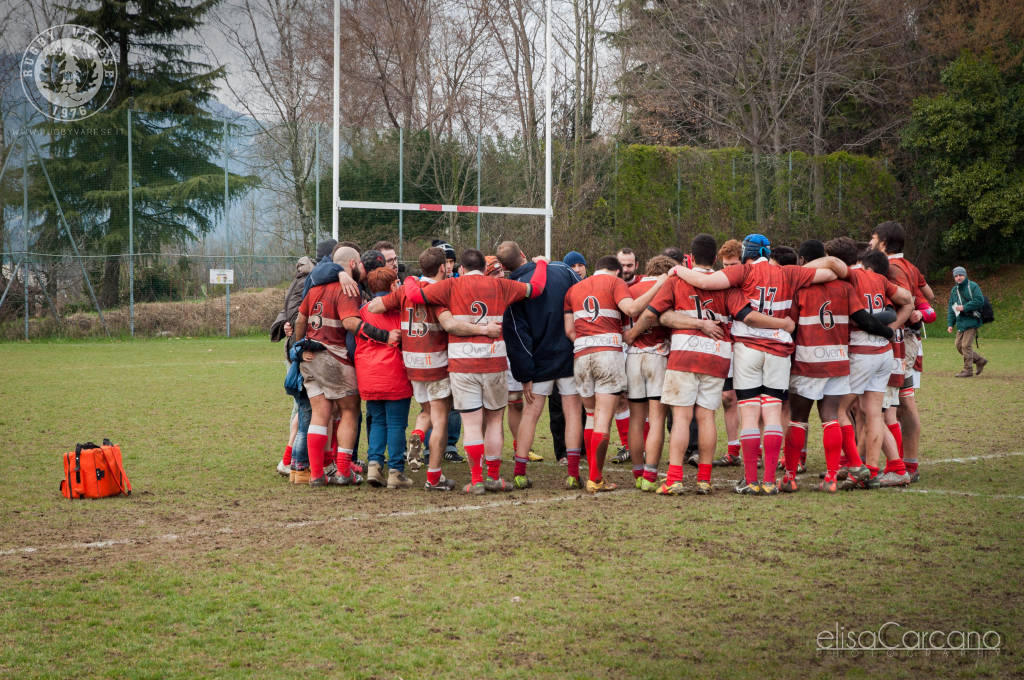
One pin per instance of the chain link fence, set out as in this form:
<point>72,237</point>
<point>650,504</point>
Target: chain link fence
<point>146,224</point>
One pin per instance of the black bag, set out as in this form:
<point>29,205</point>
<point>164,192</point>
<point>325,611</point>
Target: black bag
<point>988,315</point>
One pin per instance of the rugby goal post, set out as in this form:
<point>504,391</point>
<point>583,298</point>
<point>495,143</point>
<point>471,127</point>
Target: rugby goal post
<point>338,204</point>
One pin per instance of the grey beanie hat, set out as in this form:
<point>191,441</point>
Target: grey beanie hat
<point>325,248</point>
<point>959,271</point>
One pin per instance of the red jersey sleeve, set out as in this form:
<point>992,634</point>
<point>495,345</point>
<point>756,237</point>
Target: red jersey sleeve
<point>393,300</point>
<point>890,289</point>
<point>514,291</point>
<point>665,298</point>
<point>734,299</point>
<point>854,301</point>
<point>348,305</point>
<point>736,274</point>
<point>439,294</point>
<point>799,276</point>
<point>620,292</point>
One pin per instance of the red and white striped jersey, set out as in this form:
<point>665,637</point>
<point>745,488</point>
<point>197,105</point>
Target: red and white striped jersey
<point>478,299</point>
<point>594,305</point>
<point>914,277</point>
<point>691,350</point>
<point>655,339</point>
<point>424,342</point>
<point>899,350</point>
<point>325,307</point>
<point>876,292</point>
<point>822,335</point>
<point>770,289</point>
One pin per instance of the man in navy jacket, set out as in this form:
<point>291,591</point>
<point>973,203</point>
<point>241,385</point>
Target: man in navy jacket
<point>539,353</point>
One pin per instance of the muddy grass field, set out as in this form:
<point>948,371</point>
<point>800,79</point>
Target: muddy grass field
<point>217,567</point>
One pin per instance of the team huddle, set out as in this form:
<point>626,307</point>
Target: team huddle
<point>765,337</point>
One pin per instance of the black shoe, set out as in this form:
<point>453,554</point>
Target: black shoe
<point>452,456</point>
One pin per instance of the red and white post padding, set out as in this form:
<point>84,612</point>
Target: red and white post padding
<point>440,207</point>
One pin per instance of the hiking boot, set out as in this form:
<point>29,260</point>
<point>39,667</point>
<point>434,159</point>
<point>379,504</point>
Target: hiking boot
<point>452,456</point>
<point>888,479</point>
<point>704,488</point>
<point>284,470</point>
<point>299,476</point>
<point>966,373</point>
<point>375,475</point>
<point>398,480</point>
<point>498,484</point>
<point>443,484</point>
<point>979,365</point>
<point>622,456</point>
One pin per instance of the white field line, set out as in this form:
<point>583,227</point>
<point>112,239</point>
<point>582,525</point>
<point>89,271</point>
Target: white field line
<point>721,484</point>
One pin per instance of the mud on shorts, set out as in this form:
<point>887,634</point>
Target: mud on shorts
<point>870,372</point>
<point>471,391</point>
<point>600,372</point>
<point>425,391</point>
<point>645,374</point>
<point>327,375</point>
<point>683,388</point>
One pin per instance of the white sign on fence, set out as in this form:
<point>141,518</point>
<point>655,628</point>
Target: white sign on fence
<point>222,276</point>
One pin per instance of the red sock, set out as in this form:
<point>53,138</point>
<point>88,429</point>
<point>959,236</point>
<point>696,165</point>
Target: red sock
<point>897,465</point>
<point>772,448</point>
<point>850,447</point>
<point>703,472</point>
<point>520,466</point>
<point>832,440</point>
<point>421,434</point>
<point>622,425</point>
<point>897,434</point>
<point>675,474</point>
<point>316,441</point>
<point>911,466</point>
<point>647,429</point>
<point>750,440</point>
<point>796,438</point>
<point>286,459</point>
<point>734,449</point>
<point>597,441</point>
<point>873,470</point>
<point>638,471</point>
<point>344,462</point>
<point>572,459</point>
<point>433,476</point>
<point>475,453</point>
<point>493,467</point>
<point>650,473</point>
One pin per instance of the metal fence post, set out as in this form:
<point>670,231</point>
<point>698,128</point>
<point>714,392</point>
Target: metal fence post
<point>131,234</point>
<point>316,175</point>
<point>227,232</point>
<point>478,190</point>
<point>401,189</point>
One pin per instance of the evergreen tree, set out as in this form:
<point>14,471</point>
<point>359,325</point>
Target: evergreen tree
<point>179,186</point>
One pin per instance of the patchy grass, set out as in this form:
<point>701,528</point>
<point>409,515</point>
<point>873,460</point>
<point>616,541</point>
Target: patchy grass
<point>217,567</point>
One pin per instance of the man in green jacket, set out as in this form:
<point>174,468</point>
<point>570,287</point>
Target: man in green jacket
<point>965,302</point>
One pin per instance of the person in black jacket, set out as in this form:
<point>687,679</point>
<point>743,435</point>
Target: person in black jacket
<point>539,353</point>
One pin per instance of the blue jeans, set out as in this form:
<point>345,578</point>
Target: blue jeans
<point>300,455</point>
<point>387,420</point>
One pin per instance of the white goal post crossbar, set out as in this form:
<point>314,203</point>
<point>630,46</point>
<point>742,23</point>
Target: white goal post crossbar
<point>440,207</point>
